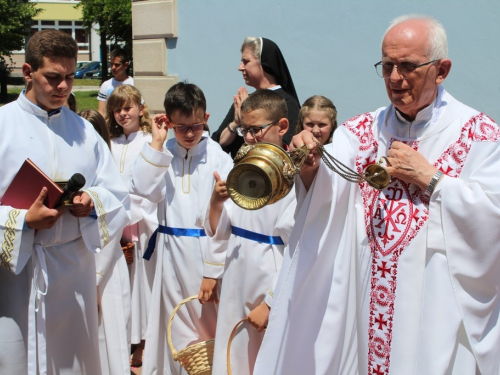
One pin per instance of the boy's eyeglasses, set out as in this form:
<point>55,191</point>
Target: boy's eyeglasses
<point>183,129</point>
<point>255,131</point>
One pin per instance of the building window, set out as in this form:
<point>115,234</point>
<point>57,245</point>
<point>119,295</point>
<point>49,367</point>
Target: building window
<point>73,28</point>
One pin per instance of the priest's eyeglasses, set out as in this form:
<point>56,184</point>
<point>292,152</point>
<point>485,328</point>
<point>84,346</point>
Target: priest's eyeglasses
<point>385,68</point>
<point>183,129</point>
<point>255,131</point>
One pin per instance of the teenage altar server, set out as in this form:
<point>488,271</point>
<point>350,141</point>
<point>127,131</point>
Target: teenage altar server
<point>48,314</point>
<point>256,242</point>
<point>404,280</point>
<point>180,178</point>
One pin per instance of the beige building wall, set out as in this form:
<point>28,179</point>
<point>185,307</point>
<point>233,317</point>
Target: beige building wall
<point>153,21</point>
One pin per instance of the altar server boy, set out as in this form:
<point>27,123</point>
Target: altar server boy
<point>179,177</point>
<point>256,241</point>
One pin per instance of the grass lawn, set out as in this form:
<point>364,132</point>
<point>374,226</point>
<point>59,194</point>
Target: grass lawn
<point>19,81</point>
<point>84,99</point>
<point>87,82</point>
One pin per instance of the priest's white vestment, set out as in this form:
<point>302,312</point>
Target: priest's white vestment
<point>181,182</point>
<point>390,282</point>
<point>144,220</point>
<point>48,313</point>
<point>248,269</point>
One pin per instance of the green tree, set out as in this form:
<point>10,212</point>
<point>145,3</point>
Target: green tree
<point>15,17</point>
<point>115,24</point>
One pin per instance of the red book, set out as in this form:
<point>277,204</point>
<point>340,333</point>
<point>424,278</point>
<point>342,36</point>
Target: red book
<point>27,185</point>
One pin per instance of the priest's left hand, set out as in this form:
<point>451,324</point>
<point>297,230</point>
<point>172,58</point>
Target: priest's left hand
<point>82,205</point>
<point>259,316</point>
<point>405,163</point>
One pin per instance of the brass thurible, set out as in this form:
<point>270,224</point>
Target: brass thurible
<point>264,173</point>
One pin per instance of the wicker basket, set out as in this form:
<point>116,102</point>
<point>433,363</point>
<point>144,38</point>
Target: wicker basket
<point>197,359</point>
<point>128,250</point>
<point>231,337</point>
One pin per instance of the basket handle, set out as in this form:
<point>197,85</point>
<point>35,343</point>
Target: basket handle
<point>231,337</point>
<point>169,326</point>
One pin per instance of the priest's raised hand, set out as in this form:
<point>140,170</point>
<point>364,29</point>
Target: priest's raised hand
<point>405,163</point>
<point>311,165</point>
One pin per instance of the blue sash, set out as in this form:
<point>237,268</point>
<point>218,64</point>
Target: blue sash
<point>257,237</point>
<point>180,232</point>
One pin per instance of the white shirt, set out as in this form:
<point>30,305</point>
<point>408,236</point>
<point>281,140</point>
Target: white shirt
<point>108,86</point>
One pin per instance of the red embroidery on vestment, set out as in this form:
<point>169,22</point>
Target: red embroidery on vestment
<point>393,217</point>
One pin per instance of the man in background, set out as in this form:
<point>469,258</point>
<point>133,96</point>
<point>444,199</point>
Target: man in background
<point>119,65</point>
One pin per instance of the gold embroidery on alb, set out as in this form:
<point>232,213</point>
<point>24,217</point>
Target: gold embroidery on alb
<point>150,162</point>
<point>102,216</point>
<point>214,264</point>
<point>9,236</point>
<point>123,155</point>
<point>189,176</point>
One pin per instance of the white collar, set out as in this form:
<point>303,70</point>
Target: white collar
<point>200,148</point>
<point>424,119</point>
<point>274,87</point>
<point>32,108</point>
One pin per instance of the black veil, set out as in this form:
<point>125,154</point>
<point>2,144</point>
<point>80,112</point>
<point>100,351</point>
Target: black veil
<point>274,63</point>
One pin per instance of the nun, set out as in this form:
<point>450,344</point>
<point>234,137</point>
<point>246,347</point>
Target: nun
<point>263,67</point>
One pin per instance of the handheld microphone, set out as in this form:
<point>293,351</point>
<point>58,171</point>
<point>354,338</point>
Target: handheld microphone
<point>75,183</point>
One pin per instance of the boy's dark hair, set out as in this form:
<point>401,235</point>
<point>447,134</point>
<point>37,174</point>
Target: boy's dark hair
<point>71,102</point>
<point>49,43</point>
<point>185,98</point>
<point>119,52</point>
<point>268,100</point>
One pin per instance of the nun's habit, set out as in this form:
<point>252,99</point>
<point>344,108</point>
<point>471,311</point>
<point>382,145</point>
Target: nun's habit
<point>273,63</point>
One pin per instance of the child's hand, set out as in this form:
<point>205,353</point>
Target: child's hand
<point>259,316</point>
<point>219,194</point>
<point>160,127</point>
<point>238,99</point>
<point>208,291</point>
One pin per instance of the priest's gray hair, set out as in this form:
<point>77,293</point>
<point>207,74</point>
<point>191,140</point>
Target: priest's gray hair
<point>255,44</point>
<point>438,42</point>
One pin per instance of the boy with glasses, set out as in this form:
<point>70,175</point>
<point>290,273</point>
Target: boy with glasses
<point>178,176</point>
<point>256,242</point>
